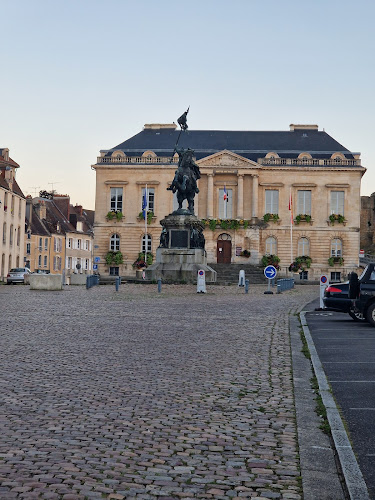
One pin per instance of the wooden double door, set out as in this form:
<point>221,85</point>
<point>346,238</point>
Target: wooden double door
<point>224,251</point>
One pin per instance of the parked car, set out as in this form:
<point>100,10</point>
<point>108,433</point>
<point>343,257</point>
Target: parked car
<point>17,275</point>
<point>362,293</point>
<point>336,296</point>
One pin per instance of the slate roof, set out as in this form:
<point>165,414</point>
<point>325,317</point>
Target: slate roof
<point>36,225</point>
<point>250,144</point>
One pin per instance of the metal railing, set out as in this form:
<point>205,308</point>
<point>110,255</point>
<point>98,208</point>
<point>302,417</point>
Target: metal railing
<point>284,284</point>
<point>310,162</point>
<point>136,159</point>
<point>92,280</point>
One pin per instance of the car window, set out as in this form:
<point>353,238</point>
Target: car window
<point>17,270</point>
<point>372,276</point>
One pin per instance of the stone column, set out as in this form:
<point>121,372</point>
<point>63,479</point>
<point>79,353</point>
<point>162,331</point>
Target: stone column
<point>210,196</point>
<point>254,204</point>
<point>240,196</point>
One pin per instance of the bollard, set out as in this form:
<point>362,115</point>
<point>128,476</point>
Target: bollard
<point>278,288</point>
<point>117,282</point>
<point>241,278</point>
<point>159,285</point>
<point>246,286</point>
<point>88,282</point>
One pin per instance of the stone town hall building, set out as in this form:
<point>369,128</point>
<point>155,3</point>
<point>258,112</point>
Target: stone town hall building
<point>258,170</point>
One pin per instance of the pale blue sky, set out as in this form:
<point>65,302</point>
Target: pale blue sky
<point>80,76</point>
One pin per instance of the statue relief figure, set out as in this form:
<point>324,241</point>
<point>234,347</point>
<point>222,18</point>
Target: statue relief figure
<point>185,179</point>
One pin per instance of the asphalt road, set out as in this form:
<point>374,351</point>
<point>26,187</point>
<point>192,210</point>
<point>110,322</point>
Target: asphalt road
<point>347,351</point>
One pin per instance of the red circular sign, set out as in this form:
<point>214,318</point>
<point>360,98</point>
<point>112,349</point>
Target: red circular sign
<point>323,279</point>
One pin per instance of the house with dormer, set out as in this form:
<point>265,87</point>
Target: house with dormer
<point>288,194</point>
<point>12,216</point>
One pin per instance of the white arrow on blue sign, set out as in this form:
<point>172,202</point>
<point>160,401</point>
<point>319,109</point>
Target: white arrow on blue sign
<point>270,272</point>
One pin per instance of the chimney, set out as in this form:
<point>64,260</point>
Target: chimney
<point>5,154</point>
<point>41,209</point>
<point>29,209</point>
<point>78,209</point>
<point>294,127</point>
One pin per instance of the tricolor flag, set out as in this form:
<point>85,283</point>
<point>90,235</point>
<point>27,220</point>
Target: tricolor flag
<point>144,203</point>
<point>291,207</point>
<point>225,194</point>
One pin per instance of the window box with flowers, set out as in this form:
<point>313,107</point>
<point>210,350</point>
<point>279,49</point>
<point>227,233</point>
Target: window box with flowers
<point>226,223</point>
<point>300,264</point>
<point>270,260</point>
<point>115,215</point>
<point>335,260</point>
<point>245,253</point>
<point>333,218</point>
<point>271,218</point>
<point>140,262</point>
<point>303,218</point>
<point>150,216</point>
<point>114,258</point>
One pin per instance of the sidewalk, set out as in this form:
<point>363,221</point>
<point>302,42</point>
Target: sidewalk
<point>143,395</point>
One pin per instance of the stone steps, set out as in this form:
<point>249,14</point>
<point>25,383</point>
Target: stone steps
<point>229,273</point>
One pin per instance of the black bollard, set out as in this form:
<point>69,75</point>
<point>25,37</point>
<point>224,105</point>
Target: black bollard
<point>246,286</point>
<point>159,285</point>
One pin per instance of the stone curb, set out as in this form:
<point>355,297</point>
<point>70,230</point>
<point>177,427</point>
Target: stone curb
<point>354,481</point>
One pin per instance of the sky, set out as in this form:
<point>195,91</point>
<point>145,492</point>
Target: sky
<point>78,76</point>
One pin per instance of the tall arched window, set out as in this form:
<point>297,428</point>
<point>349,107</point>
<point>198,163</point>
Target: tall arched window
<point>115,242</point>
<point>271,246</point>
<point>303,247</point>
<point>40,261</point>
<point>146,240</point>
<point>11,235</point>
<point>336,248</point>
<point>4,232</point>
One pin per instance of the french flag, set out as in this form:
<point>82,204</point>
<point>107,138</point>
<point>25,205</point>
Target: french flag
<point>144,203</point>
<point>225,194</point>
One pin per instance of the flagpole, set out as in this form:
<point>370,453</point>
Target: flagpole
<point>291,225</point>
<point>146,238</point>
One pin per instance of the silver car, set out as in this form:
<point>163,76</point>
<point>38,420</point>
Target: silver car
<point>17,275</point>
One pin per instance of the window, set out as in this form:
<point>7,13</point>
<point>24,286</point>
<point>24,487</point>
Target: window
<point>337,202</point>
<point>151,199</point>
<point>87,264</point>
<point>271,246</point>
<point>69,263</point>
<point>113,271</point>
<point>11,235</point>
<point>146,240</point>
<point>4,232</point>
<point>304,275</point>
<point>336,248</point>
<point>18,236</point>
<point>45,261</point>
<point>114,243</point>
<point>12,205</point>
<point>40,243</point>
<point>79,226</point>
<point>303,247</point>
<point>28,235</point>
<point>28,248</point>
<point>272,201</point>
<point>45,243</point>
<point>78,243</point>
<point>87,244</point>
<point>57,263</point>
<point>70,242</point>
<point>40,261</point>
<point>304,202</point>
<point>57,244</point>
<point>335,276</point>
<point>116,199</point>
<point>225,207</point>
<point>6,203</point>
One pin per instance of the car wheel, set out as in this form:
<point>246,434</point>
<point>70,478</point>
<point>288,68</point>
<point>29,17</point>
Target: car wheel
<point>370,314</point>
<point>356,315</point>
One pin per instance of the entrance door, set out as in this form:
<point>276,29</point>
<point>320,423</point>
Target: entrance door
<point>224,251</point>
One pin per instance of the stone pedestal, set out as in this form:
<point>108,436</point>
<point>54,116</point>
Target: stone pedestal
<point>181,252</point>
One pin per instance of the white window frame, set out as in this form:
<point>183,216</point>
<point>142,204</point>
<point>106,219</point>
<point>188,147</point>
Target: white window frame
<point>114,242</point>
<point>304,202</point>
<point>150,199</point>
<point>229,203</point>
<point>148,238</point>
<point>116,198</point>
<point>271,245</point>
<point>271,198</point>
<point>337,202</point>
<point>303,246</point>
<point>336,247</point>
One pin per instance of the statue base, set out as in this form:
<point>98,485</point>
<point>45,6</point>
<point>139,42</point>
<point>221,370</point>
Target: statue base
<point>182,252</point>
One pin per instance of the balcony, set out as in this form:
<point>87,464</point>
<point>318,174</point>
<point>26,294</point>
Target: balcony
<point>304,162</point>
<point>136,160</point>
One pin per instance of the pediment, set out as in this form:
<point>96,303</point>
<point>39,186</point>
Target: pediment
<point>227,159</point>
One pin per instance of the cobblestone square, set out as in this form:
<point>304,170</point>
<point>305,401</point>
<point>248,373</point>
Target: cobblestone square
<point>143,395</point>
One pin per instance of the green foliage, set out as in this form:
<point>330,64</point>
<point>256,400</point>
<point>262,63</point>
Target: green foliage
<point>303,217</point>
<point>114,214</point>
<point>234,224</point>
<point>140,262</point>
<point>335,260</point>
<point>114,258</point>
<point>300,263</point>
<point>246,224</point>
<point>245,253</point>
<point>271,217</point>
<point>150,215</point>
<point>224,224</point>
<point>270,260</point>
<point>337,218</point>
<point>212,224</point>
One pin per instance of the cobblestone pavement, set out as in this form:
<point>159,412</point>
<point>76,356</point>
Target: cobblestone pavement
<point>143,395</point>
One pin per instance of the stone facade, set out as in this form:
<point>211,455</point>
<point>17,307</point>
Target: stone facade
<point>368,223</point>
<point>12,216</point>
<point>323,184</point>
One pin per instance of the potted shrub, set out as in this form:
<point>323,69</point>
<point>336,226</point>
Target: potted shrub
<point>303,218</point>
<point>335,260</point>
<point>271,217</point>
<point>150,215</point>
<point>270,260</point>
<point>337,218</point>
<point>245,253</point>
<point>114,258</point>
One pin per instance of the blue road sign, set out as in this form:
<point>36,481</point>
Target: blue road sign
<point>96,259</point>
<point>95,267</point>
<point>270,272</point>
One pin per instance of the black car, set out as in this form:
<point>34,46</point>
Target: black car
<point>336,297</point>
